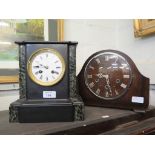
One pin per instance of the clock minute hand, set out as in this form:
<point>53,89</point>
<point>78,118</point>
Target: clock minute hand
<point>46,67</point>
<point>107,81</point>
<point>106,76</point>
<point>108,84</point>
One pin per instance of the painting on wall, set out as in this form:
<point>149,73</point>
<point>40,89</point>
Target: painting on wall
<point>12,30</point>
<point>144,27</point>
<point>16,30</point>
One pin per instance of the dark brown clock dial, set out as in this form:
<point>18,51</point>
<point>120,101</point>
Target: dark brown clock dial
<point>108,75</point>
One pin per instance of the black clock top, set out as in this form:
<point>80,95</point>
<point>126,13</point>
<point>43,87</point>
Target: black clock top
<point>46,42</point>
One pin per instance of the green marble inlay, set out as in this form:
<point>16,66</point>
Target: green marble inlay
<point>22,72</point>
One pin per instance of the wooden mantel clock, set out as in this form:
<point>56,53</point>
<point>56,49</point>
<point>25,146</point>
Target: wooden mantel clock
<point>110,78</point>
<point>48,90</point>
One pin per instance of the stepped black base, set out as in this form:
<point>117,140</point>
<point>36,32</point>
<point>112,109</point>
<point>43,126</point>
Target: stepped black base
<point>35,112</point>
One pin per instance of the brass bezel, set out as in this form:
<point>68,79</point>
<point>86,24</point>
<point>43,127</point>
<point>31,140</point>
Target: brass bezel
<point>29,66</point>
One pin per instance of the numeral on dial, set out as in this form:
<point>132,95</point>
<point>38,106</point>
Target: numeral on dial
<point>123,85</point>
<point>41,77</point>
<point>36,73</point>
<point>106,58</point>
<point>116,92</point>
<point>126,76</point>
<point>98,91</point>
<point>35,66</point>
<point>98,60</point>
<point>91,67</point>
<point>89,76</point>
<point>106,94</point>
<point>91,85</point>
<point>116,59</point>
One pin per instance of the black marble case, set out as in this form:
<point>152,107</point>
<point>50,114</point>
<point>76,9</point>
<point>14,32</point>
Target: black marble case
<point>31,94</point>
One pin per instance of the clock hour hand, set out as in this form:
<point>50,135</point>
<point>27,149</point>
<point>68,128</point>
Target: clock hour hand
<point>46,67</point>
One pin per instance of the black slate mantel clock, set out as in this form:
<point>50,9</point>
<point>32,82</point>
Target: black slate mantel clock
<point>109,78</point>
<point>48,89</point>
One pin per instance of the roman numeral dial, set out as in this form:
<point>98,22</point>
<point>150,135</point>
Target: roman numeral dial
<point>46,67</point>
<point>107,75</point>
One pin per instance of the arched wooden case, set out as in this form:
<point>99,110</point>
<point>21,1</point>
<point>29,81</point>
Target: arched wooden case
<point>136,97</point>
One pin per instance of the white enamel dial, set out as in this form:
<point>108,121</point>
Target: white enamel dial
<point>46,67</point>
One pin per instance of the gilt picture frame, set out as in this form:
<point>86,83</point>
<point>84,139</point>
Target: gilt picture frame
<point>54,32</point>
<point>144,27</point>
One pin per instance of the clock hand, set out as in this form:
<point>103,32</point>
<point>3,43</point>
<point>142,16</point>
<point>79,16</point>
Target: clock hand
<point>46,67</point>
<point>99,75</point>
<point>106,76</point>
<point>108,84</point>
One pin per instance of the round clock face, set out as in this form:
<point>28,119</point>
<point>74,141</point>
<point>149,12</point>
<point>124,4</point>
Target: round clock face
<point>46,67</point>
<point>108,75</point>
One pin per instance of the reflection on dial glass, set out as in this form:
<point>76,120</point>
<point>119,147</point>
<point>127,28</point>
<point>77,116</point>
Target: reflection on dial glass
<point>108,75</point>
<point>47,66</point>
